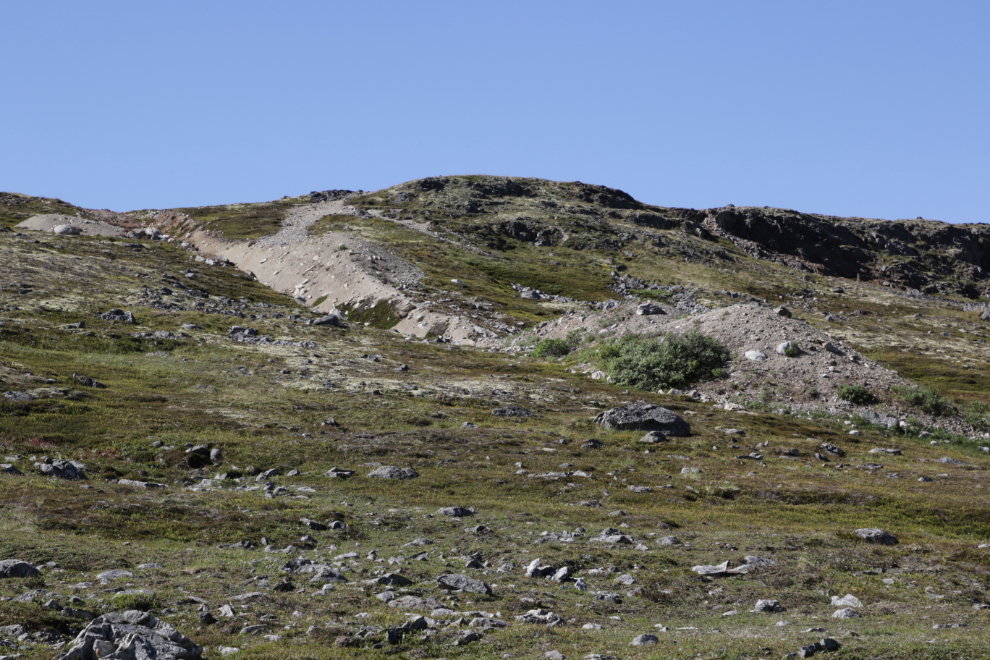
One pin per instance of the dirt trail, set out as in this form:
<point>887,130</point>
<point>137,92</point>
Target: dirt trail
<point>336,269</point>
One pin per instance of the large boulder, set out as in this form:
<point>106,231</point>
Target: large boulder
<point>131,634</point>
<point>15,568</point>
<point>67,230</point>
<point>645,417</point>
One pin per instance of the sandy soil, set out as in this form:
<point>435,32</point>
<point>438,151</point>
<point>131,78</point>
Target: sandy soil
<point>339,268</point>
<point>48,222</point>
<point>824,363</point>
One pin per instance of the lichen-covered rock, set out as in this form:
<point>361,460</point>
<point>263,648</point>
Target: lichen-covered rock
<point>876,535</point>
<point>643,416</point>
<point>131,634</point>
<point>15,568</point>
<point>393,472</point>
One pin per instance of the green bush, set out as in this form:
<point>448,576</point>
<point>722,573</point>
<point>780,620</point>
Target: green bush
<point>792,351</point>
<point>574,338</point>
<point>856,394</point>
<point>927,398</point>
<point>551,348</point>
<point>977,415</point>
<point>666,361</point>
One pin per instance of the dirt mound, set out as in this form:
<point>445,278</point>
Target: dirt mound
<point>753,333</point>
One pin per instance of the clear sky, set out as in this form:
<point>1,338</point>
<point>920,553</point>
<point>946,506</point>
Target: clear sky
<point>867,108</point>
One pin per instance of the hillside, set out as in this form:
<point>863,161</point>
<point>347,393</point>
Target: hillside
<point>332,425</point>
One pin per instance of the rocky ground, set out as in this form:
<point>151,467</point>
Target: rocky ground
<point>194,464</point>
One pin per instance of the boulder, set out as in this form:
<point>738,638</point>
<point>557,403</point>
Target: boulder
<point>846,601</point>
<point>455,511</point>
<point>513,411</point>
<point>463,583</point>
<point>393,472</point>
<point>846,613</point>
<point>118,315</point>
<point>876,535</point>
<point>15,568</point>
<point>131,634</point>
<point>86,381</point>
<point>645,417</point>
<point>768,606</point>
<point>756,356</point>
<point>649,309</point>
<point>331,320</point>
<point>644,640</point>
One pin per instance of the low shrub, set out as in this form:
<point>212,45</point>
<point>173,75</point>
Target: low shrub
<point>648,363</point>
<point>792,351</point>
<point>551,348</point>
<point>856,394</point>
<point>928,399</point>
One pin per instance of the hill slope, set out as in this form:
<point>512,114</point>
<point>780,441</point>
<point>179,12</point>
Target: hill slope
<point>231,446</point>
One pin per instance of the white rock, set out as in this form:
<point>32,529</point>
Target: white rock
<point>756,356</point>
<point>846,601</point>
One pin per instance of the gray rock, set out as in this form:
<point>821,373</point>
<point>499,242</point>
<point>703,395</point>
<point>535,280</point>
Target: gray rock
<point>21,397</point>
<point>846,613</point>
<point>86,381</point>
<point>768,606</point>
<point>393,472</point>
<point>782,347</point>
<point>876,535</point>
<point>114,574</point>
<point>62,469</point>
<point>643,416</point>
<point>644,640</point>
<point>15,568</point>
<point>947,460</point>
<point>783,311</point>
<point>455,511</point>
<point>7,468</point>
<point>653,437</point>
<point>337,473</point>
<point>756,356</point>
<point>879,419</point>
<point>536,569</point>
<point>331,320</point>
<point>118,315</point>
<point>513,411</point>
<point>649,309</point>
<point>391,580</point>
<point>669,540</point>
<point>131,634</point>
<point>67,230</point>
<point>464,583</point>
<point>846,601</point>
<point>414,603</point>
<point>832,449</point>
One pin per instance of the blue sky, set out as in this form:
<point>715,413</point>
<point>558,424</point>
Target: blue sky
<point>874,109</point>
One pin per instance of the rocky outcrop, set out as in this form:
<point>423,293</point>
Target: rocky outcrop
<point>131,634</point>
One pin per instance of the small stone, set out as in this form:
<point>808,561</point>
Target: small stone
<point>876,535</point>
<point>644,640</point>
<point>846,613</point>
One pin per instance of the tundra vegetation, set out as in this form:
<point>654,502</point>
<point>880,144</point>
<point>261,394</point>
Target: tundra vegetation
<point>208,463</point>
